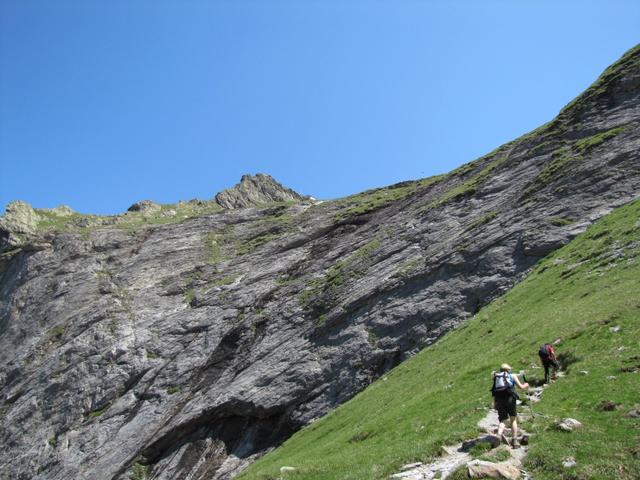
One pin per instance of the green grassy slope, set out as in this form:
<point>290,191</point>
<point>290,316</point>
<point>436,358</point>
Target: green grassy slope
<point>578,294</point>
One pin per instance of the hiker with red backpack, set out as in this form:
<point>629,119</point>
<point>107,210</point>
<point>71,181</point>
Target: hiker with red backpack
<point>548,358</point>
<point>504,401</point>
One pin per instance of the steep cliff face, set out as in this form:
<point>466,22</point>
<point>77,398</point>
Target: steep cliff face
<point>180,345</point>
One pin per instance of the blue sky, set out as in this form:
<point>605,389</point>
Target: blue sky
<point>106,103</point>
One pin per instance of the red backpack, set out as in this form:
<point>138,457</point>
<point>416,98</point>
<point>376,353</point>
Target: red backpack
<point>546,352</point>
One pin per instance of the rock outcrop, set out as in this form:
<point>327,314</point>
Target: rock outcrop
<point>185,349</point>
<point>257,190</point>
<point>145,206</point>
<point>18,222</point>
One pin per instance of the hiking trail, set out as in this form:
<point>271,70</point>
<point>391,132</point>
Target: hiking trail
<point>454,456</point>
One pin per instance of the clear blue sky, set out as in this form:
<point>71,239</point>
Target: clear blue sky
<point>103,103</point>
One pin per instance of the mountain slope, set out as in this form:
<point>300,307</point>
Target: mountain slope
<point>186,341</point>
<point>585,294</point>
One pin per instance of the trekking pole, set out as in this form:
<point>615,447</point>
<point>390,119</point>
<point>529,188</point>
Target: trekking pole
<point>529,401</point>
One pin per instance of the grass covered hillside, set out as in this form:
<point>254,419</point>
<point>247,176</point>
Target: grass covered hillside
<point>585,294</point>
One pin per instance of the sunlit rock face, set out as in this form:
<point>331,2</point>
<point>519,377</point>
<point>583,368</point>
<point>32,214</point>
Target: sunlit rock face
<point>258,190</point>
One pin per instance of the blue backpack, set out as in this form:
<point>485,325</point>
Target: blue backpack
<point>502,384</point>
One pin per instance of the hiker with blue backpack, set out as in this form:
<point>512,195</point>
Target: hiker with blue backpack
<point>504,401</point>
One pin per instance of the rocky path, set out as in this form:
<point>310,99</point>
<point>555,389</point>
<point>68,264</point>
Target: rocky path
<point>453,456</point>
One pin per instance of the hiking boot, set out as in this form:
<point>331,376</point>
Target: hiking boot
<point>515,443</point>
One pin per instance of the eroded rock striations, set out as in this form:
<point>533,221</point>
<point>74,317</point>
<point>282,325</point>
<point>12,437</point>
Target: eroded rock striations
<point>185,346</point>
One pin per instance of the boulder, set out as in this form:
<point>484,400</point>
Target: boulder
<point>569,424</point>
<point>482,469</point>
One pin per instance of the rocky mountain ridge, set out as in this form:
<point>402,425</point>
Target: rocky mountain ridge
<point>183,349</point>
<point>22,225</point>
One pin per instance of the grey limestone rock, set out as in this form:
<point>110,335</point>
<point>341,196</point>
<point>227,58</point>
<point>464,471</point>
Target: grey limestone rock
<point>483,469</point>
<point>569,424</point>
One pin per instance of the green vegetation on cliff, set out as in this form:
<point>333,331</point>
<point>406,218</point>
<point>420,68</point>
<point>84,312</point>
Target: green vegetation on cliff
<point>584,294</point>
<point>371,200</point>
<point>563,157</point>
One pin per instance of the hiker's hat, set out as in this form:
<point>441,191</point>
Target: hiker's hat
<point>505,367</point>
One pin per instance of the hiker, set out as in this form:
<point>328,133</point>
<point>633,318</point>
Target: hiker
<point>504,401</point>
<point>548,358</point>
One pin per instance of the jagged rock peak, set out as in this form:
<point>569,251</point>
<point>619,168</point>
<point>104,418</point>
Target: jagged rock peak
<point>257,190</point>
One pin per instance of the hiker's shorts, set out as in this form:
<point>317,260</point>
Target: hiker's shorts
<point>506,407</point>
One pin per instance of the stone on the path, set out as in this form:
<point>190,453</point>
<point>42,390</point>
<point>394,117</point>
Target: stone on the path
<point>446,450</point>
<point>569,462</point>
<point>411,466</point>
<point>569,424</point>
<point>482,469</point>
<point>414,474</point>
<point>492,440</point>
